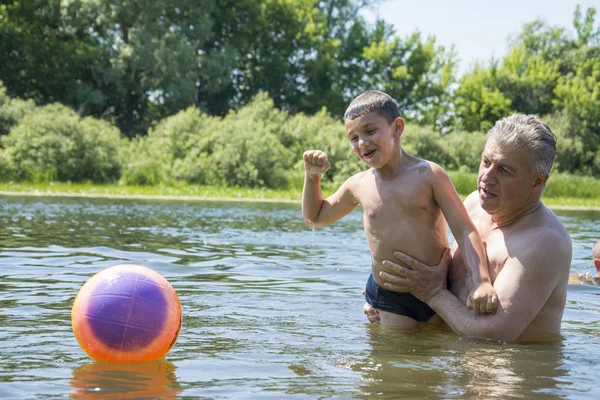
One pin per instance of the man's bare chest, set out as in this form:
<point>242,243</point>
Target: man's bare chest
<point>497,253</point>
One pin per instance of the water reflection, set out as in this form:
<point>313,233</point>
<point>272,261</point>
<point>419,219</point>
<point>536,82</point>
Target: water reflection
<point>406,366</point>
<point>148,380</point>
<point>271,310</point>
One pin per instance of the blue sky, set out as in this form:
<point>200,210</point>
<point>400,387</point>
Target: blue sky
<point>478,29</point>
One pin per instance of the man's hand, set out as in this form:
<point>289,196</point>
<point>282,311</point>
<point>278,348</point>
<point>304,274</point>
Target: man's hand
<point>409,275</point>
<point>315,162</point>
<point>483,299</point>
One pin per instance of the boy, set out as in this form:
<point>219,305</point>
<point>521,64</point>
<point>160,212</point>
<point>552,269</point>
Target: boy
<point>404,201</point>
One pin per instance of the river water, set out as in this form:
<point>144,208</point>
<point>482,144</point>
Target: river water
<point>271,309</point>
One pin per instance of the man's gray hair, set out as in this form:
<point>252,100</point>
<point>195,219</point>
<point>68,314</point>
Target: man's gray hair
<point>526,131</point>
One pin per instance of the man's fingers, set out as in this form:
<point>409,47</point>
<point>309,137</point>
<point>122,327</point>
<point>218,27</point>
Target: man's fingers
<point>395,269</point>
<point>393,278</point>
<point>405,260</point>
<point>469,303</point>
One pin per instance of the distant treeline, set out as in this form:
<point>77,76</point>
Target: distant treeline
<point>232,91</point>
<point>257,146</point>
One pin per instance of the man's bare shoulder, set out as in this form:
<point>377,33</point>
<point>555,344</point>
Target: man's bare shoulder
<point>540,236</point>
<point>545,223</point>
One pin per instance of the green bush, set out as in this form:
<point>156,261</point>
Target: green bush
<point>55,144</point>
<point>12,111</point>
<point>464,182</point>
<point>160,156</point>
<point>142,173</point>
<point>247,150</point>
<point>424,143</point>
<point>464,149</point>
<point>242,149</point>
<point>573,154</point>
<point>7,169</point>
<point>567,185</point>
<point>320,132</point>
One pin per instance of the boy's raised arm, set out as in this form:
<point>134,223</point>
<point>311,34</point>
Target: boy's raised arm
<point>316,210</point>
<point>472,250</point>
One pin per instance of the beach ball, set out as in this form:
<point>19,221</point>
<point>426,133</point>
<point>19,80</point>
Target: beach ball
<point>126,313</point>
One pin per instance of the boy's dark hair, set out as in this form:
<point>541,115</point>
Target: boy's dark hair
<point>373,101</point>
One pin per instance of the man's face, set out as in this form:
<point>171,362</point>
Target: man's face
<point>372,138</point>
<point>505,180</point>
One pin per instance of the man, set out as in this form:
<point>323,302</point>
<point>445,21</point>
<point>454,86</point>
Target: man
<point>528,249</point>
<point>584,277</point>
<point>596,257</point>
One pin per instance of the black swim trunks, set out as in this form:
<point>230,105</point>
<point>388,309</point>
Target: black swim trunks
<point>398,303</point>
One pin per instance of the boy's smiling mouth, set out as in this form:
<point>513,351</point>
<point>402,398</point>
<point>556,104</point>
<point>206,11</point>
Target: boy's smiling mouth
<point>368,154</point>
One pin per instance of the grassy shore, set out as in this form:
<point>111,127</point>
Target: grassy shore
<point>193,192</point>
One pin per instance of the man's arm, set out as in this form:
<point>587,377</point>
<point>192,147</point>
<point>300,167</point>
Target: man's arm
<point>467,238</point>
<point>523,286</point>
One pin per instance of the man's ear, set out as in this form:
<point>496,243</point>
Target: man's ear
<point>398,126</point>
<point>597,264</point>
<point>540,181</point>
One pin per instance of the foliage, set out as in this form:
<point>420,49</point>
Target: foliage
<point>7,169</point>
<point>134,62</point>
<point>12,110</point>
<point>54,143</point>
<point>322,132</point>
<point>241,149</point>
<point>566,185</point>
<point>548,72</point>
<point>186,82</point>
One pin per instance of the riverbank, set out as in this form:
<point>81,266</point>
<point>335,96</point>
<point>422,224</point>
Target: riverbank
<point>206,193</point>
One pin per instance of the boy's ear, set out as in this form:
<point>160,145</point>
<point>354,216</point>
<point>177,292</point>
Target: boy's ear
<point>597,264</point>
<point>398,126</point>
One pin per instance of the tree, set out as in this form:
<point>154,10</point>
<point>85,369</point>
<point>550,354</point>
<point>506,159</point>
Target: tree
<point>45,59</point>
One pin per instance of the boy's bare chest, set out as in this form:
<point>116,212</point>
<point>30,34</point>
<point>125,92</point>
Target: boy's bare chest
<point>381,202</point>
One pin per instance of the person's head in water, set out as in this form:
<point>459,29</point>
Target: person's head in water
<point>596,257</point>
<point>374,127</point>
<point>515,164</point>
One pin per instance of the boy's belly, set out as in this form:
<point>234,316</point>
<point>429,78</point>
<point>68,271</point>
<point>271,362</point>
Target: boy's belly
<point>424,245</point>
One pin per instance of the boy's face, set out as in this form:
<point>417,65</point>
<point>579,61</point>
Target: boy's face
<point>373,138</point>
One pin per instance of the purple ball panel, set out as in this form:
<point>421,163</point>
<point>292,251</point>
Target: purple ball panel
<point>127,313</point>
